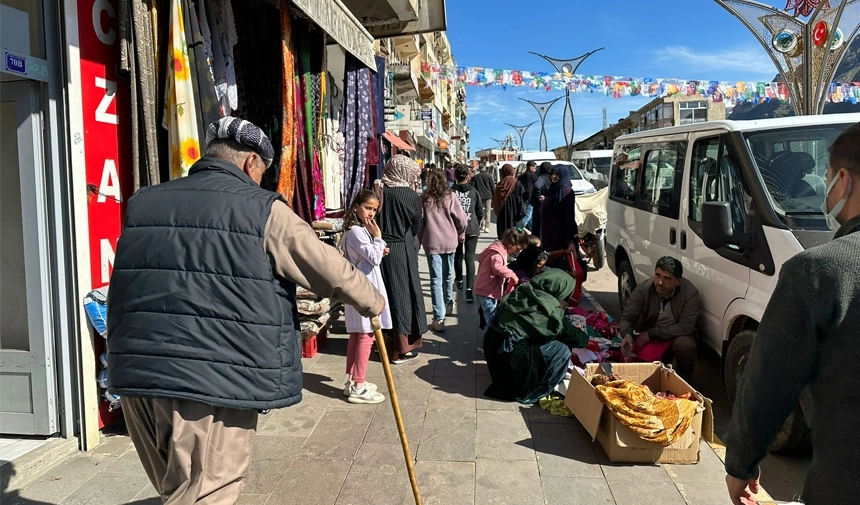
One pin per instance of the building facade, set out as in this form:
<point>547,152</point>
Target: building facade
<point>427,112</point>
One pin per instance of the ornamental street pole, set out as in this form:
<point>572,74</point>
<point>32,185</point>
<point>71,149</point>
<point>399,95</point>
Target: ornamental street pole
<point>806,53</point>
<point>542,108</point>
<point>568,68</point>
<point>521,131</point>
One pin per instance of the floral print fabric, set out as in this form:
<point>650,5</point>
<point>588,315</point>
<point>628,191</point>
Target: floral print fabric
<point>179,107</point>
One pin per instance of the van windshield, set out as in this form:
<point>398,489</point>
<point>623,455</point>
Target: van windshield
<point>792,163</point>
<point>602,165</point>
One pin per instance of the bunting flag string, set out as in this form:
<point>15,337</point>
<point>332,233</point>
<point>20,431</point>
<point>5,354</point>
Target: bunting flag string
<point>622,86</point>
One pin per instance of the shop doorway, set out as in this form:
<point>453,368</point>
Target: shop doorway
<point>28,384</point>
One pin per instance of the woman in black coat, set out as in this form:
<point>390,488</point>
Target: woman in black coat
<point>508,205</point>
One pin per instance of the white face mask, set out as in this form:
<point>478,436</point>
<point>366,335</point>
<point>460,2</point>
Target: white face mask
<point>832,223</point>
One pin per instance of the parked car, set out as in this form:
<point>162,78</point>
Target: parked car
<point>594,165</point>
<point>577,181</point>
<point>733,200</point>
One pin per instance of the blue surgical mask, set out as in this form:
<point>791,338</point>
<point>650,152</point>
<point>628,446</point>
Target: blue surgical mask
<point>832,223</point>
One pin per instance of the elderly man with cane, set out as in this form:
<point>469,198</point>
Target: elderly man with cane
<point>203,325</point>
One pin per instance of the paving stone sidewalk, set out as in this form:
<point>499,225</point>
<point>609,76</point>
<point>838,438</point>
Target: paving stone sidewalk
<point>468,449</point>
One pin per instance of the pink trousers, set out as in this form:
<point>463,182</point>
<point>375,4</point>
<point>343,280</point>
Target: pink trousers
<point>357,355</point>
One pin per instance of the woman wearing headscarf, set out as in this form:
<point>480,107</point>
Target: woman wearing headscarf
<point>508,205</point>
<point>529,263</point>
<point>400,217</point>
<point>559,230</point>
<point>541,186</point>
<point>527,348</point>
<point>558,209</point>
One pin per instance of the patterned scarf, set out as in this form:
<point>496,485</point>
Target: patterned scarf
<point>400,172</point>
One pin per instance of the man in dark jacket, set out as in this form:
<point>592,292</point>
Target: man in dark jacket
<point>528,179</point>
<point>662,309</point>
<point>204,329</point>
<point>808,337</point>
<point>485,186</point>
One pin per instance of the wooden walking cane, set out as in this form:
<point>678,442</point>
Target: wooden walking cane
<point>401,429</point>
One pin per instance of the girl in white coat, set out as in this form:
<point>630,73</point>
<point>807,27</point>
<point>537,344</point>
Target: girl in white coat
<point>363,247</point>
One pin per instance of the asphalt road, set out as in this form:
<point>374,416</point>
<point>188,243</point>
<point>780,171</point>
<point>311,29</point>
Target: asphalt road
<point>782,476</point>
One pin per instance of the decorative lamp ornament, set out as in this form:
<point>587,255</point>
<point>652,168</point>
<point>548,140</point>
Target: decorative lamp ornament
<point>785,41</point>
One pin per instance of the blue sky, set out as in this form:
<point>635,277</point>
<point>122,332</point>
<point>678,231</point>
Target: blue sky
<point>696,39</point>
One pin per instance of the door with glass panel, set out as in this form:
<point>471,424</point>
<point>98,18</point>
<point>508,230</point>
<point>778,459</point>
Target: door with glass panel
<point>28,401</point>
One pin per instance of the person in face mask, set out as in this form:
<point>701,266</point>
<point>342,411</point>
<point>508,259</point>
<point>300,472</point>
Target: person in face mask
<point>808,337</point>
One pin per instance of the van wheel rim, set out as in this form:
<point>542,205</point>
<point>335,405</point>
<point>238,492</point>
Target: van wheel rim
<point>625,286</point>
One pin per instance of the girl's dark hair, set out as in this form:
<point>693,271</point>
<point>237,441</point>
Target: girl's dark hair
<point>351,218</point>
<point>515,236</point>
<point>437,189</point>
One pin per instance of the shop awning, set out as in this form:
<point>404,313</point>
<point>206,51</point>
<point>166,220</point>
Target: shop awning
<point>397,141</point>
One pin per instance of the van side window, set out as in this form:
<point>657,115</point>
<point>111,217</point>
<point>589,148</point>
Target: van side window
<point>715,177</point>
<point>658,194</point>
<point>703,176</point>
<point>625,172</point>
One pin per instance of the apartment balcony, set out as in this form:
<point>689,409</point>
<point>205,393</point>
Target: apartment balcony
<point>393,18</point>
<point>407,46</point>
<point>405,82</point>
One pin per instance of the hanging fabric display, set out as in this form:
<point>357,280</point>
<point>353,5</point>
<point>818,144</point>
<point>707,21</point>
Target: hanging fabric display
<point>208,110</point>
<point>138,61</point>
<point>222,24</point>
<point>179,108</point>
<point>286,184</point>
<point>355,126</point>
<point>303,202</point>
<point>314,84</point>
<point>259,74</point>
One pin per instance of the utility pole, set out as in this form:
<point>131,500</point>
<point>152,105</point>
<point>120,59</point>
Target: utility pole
<point>604,118</point>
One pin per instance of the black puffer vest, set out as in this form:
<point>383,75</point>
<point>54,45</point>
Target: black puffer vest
<point>194,309</point>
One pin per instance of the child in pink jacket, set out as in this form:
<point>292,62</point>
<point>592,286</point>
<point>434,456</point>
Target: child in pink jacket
<point>493,271</point>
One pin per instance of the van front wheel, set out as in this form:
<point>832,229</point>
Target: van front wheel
<point>794,435</point>
<point>626,283</point>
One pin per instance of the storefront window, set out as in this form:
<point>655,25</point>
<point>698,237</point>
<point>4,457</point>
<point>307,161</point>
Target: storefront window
<point>22,28</point>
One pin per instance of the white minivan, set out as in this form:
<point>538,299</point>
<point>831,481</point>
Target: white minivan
<point>594,165</point>
<point>733,200</point>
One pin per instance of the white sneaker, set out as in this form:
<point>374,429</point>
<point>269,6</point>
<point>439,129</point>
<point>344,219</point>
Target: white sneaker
<point>449,309</point>
<point>366,396</point>
<point>348,384</point>
<point>438,325</point>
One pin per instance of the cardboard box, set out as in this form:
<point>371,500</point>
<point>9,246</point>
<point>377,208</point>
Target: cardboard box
<point>621,444</point>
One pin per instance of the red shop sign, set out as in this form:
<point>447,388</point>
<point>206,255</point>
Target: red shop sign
<point>107,143</point>
<point>107,133</point>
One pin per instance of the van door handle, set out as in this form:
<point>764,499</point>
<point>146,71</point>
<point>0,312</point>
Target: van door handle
<point>683,241</point>
<point>673,236</point>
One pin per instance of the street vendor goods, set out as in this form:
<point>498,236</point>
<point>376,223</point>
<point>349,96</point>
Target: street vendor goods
<point>654,419</point>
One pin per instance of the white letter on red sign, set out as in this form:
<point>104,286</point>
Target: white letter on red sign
<point>107,37</point>
<point>109,187</point>
<point>102,115</point>
<point>107,256</point>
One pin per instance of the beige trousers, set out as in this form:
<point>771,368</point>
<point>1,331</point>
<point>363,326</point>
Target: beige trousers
<point>193,453</point>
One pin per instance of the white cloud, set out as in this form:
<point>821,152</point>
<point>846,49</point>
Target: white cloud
<point>738,63</point>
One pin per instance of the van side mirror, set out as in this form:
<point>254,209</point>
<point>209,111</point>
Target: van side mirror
<point>717,228</point>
